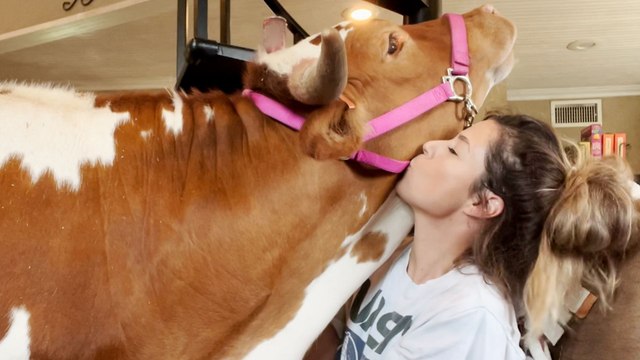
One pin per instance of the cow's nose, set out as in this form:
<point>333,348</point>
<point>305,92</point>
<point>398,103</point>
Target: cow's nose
<point>490,9</point>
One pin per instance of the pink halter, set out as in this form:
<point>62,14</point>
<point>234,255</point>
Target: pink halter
<point>384,123</point>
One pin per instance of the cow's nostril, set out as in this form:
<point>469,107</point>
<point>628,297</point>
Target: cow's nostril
<point>489,8</point>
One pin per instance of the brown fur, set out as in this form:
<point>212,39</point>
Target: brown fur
<point>200,245</point>
<point>369,82</point>
<point>327,135</point>
<point>316,40</point>
<point>370,247</point>
<point>266,81</point>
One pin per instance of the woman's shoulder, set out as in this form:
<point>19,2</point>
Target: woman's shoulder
<point>469,291</point>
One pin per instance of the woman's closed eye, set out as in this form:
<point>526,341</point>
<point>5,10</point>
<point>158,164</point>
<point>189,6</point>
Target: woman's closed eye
<point>453,151</point>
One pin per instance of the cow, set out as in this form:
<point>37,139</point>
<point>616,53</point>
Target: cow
<point>166,225</point>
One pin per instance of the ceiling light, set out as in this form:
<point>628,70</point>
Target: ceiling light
<point>581,45</point>
<point>360,12</point>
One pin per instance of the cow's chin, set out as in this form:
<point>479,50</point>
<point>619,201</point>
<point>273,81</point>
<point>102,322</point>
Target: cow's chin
<point>503,70</point>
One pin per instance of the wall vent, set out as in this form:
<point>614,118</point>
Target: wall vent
<point>576,113</point>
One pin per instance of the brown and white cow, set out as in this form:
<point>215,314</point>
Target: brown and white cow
<point>172,226</point>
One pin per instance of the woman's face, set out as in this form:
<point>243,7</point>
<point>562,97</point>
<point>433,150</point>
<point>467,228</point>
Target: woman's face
<point>437,182</point>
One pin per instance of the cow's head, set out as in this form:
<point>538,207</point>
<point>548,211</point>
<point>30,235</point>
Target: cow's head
<point>374,67</point>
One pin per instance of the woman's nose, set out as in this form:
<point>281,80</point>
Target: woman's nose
<point>429,148</point>
<point>434,147</point>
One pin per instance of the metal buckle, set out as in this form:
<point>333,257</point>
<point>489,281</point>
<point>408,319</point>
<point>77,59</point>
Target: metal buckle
<point>451,80</point>
<point>470,108</point>
<point>470,112</point>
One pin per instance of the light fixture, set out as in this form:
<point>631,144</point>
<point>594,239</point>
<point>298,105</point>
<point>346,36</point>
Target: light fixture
<point>360,12</point>
<point>581,45</point>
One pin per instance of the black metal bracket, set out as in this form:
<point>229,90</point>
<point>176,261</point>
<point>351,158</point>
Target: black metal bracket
<point>414,11</point>
<point>199,64</point>
<point>205,64</point>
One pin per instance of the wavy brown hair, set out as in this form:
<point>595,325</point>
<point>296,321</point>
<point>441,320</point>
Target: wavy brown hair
<point>565,222</point>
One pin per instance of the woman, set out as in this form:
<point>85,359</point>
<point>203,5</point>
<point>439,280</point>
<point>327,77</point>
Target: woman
<point>503,219</point>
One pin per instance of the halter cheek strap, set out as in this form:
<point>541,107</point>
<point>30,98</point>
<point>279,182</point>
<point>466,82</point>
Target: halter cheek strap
<point>402,114</point>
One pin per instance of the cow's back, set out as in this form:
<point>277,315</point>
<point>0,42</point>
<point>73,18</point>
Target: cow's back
<point>126,237</point>
<point>54,263</point>
<point>96,195</point>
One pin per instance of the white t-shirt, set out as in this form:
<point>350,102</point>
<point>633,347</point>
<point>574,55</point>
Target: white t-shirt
<point>454,317</point>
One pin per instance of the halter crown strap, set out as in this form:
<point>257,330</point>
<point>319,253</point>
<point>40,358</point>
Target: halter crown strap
<point>459,48</point>
<point>393,118</point>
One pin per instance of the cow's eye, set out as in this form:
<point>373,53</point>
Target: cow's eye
<point>393,45</point>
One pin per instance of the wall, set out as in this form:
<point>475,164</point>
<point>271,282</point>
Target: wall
<point>495,101</point>
<point>18,14</point>
<point>619,114</point>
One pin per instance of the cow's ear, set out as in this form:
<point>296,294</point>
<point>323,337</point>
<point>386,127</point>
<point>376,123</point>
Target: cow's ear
<point>329,134</point>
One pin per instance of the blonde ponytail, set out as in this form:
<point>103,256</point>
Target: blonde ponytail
<point>586,232</point>
<point>550,282</point>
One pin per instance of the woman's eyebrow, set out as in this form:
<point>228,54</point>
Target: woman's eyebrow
<point>465,140</point>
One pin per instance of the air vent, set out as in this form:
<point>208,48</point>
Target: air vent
<point>576,113</point>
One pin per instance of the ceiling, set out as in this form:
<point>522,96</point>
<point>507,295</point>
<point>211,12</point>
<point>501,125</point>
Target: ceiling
<point>120,44</point>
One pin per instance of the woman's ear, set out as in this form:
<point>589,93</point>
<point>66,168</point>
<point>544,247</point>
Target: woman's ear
<point>328,134</point>
<point>489,206</point>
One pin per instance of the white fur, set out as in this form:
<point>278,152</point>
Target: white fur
<point>146,134</point>
<point>173,120</point>
<point>55,129</point>
<point>208,113</point>
<point>363,200</point>
<point>282,61</point>
<point>331,289</point>
<point>16,343</point>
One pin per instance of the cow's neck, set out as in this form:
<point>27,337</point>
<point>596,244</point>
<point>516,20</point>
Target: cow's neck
<point>162,188</point>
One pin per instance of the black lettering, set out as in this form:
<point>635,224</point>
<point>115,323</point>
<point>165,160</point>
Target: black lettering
<point>357,302</point>
<point>400,324</point>
<point>365,316</point>
<point>372,318</point>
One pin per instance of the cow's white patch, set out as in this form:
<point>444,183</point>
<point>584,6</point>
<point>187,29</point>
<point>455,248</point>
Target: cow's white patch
<point>208,113</point>
<point>363,200</point>
<point>145,134</point>
<point>56,129</point>
<point>173,119</point>
<point>635,190</point>
<point>16,343</point>
<point>282,61</point>
<point>329,291</point>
